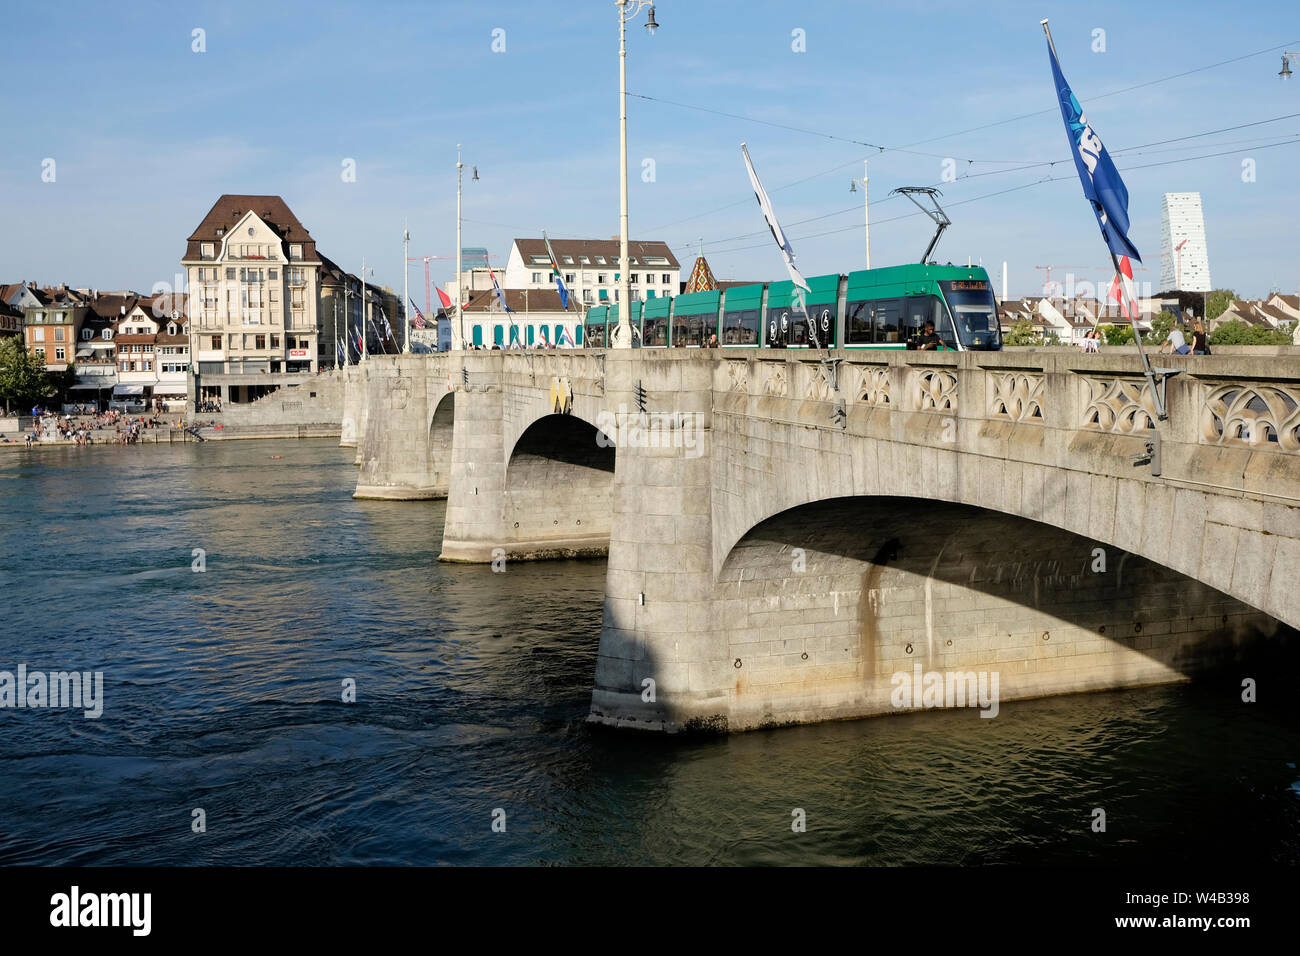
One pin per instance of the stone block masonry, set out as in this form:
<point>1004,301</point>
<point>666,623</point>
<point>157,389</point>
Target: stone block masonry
<point>783,566</point>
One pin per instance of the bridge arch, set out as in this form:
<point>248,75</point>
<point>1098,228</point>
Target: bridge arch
<point>1179,528</point>
<point>559,489</point>
<point>822,606</point>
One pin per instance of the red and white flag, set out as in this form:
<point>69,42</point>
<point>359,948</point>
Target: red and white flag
<point>1119,295</point>
<point>444,298</point>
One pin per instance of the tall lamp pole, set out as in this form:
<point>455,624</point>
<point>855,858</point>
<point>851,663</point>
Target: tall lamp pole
<point>627,10</point>
<point>406,282</point>
<point>458,330</point>
<point>364,353</point>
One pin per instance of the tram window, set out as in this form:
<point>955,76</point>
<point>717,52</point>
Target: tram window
<point>798,329</point>
<point>688,330</point>
<point>740,327</point>
<point>654,332</point>
<point>778,327</point>
<point>916,312</point>
<point>857,323</point>
<point>942,324</point>
<point>887,320</point>
<point>824,316</point>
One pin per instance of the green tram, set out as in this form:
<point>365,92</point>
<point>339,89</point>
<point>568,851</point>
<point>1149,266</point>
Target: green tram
<point>874,309</point>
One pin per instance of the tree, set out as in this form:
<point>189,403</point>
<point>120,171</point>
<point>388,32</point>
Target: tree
<point>1118,334</point>
<point>1218,301</point>
<point>23,380</point>
<point>1022,333</point>
<point>1052,339</point>
<point>1239,333</point>
<point>1160,327</point>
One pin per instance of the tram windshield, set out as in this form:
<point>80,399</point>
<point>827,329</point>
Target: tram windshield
<point>974,312</point>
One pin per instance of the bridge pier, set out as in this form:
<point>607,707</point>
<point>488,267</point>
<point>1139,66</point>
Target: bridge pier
<point>404,442</point>
<point>662,661</point>
<point>352,402</point>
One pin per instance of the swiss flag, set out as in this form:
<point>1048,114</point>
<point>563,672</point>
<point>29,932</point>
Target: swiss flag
<point>1115,293</point>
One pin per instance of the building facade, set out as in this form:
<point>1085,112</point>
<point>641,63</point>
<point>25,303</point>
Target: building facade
<point>591,271</point>
<point>254,289</point>
<point>52,327</point>
<point>1182,224</point>
<point>536,320</point>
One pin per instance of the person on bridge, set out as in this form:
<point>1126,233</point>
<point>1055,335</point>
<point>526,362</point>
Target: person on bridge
<point>1176,341</point>
<point>1200,344</point>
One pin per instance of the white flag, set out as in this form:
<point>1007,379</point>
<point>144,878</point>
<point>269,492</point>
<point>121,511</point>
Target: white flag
<point>769,214</point>
<point>787,252</point>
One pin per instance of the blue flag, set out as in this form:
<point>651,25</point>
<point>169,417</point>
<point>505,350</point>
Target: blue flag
<point>1101,182</point>
<point>501,296</point>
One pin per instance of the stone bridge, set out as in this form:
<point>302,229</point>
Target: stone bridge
<point>771,562</point>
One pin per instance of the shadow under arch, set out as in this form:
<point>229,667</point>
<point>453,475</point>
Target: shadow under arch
<point>441,429</point>
<point>559,490</point>
<point>824,604</point>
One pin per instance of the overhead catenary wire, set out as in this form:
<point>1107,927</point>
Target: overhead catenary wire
<point>1121,151</point>
<point>961,202</point>
<point>907,146</point>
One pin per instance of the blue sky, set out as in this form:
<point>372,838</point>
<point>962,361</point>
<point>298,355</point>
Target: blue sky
<point>146,133</point>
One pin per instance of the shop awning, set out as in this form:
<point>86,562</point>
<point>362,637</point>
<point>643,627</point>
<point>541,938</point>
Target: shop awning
<point>169,388</point>
<point>101,344</point>
<point>128,389</point>
<point>91,386</point>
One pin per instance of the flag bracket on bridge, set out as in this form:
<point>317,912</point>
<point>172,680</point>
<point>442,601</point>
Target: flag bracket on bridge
<point>1150,455</point>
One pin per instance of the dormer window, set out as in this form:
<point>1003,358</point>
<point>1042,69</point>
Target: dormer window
<point>87,335</point>
<point>171,328</point>
<point>208,249</point>
<point>107,334</point>
<point>295,252</point>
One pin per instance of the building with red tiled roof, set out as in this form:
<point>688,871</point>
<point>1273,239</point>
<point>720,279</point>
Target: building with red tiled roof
<point>254,281</point>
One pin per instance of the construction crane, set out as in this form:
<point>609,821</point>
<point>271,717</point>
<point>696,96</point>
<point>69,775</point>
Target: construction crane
<point>428,288</point>
<point>1178,265</point>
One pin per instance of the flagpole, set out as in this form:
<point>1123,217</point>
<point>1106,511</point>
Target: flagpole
<point>1157,390</point>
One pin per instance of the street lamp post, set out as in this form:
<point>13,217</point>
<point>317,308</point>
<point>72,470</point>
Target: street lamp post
<point>458,330</point>
<point>406,292</point>
<point>627,10</point>
<point>1285,72</point>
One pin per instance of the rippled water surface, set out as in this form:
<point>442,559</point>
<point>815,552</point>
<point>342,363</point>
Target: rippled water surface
<point>222,691</point>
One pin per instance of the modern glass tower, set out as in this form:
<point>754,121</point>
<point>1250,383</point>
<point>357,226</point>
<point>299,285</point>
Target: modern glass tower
<point>1184,258</point>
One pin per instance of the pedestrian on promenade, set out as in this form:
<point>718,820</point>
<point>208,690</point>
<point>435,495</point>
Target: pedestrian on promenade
<point>1200,342</point>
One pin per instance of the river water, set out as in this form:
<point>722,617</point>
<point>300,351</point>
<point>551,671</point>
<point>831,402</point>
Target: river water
<point>222,692</point>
